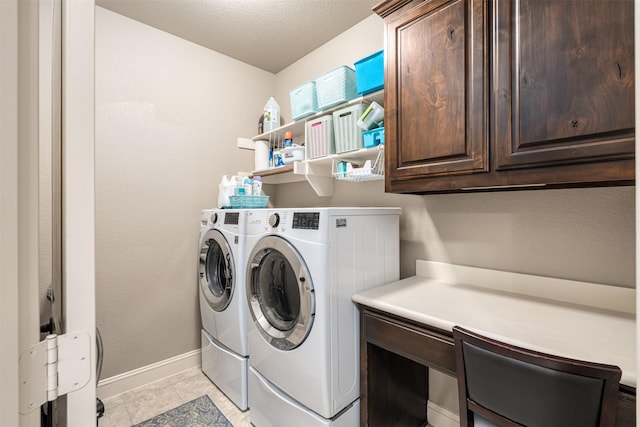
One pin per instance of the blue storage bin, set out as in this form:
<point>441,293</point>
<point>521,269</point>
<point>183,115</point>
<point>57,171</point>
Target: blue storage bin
<point>304,100</point>
<point>370,73</point>
<point>373,137</point>
<point>336,87</point>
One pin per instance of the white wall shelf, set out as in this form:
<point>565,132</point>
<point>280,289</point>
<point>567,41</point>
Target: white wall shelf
<point>297,127</point>
<point>280,175</point>
<point>317,172</point>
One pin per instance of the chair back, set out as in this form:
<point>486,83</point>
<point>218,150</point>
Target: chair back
<point>504,385</point>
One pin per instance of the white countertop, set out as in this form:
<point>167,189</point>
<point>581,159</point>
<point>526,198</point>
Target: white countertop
<point>495,307</point>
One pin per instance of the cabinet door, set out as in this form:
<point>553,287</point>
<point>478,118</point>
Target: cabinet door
<point>563,83</point>
<point>435,115</point>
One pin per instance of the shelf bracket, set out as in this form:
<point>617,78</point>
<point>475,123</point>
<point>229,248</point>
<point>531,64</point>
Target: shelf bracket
<point>245,143</point>
<point>322,185</point>
<point>318,177</point>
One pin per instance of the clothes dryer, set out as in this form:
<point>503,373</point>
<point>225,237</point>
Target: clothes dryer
<point>303,266</point>
<point>221,288</point>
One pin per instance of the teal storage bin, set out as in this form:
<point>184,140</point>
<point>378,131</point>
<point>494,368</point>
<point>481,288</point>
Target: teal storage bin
<point>373,137</point>
<point>370,73</point>
<point>336,87</point>
<point>304,100</point>
<point>248,202</point>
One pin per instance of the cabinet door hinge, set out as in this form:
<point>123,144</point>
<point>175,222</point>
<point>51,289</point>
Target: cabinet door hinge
<point>53,367</point>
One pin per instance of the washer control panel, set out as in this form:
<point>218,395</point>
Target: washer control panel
<point>232,218</point>
<point>306,220</point>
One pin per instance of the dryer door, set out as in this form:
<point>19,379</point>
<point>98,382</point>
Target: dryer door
<point>216,270</point>
<point>280,293</point>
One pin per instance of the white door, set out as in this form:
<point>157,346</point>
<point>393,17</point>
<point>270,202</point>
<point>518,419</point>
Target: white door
<point>72,117</point>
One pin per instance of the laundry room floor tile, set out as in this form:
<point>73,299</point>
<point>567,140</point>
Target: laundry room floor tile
<point>140,404</point>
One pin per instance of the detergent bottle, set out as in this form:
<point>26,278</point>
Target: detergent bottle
<point>223,191</point>
<point>271,115</point>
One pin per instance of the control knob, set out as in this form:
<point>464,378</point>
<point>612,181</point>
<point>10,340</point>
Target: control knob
<point>274,220</point>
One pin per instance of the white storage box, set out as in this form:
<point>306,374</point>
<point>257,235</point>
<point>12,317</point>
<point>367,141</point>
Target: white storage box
<point>348,136</point>
<point>372,117</point>
<point>292,154</point>
<point>319,137</point>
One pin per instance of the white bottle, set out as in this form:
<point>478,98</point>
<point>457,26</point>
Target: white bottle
<point>230,189</point>
<point>271,115</point>
<point>223,194</point>
<point>247,184</point>
<point>257,186</point>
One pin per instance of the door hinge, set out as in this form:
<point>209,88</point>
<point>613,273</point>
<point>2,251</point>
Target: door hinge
<point>53,367</point>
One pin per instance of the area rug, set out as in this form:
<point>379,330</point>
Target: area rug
<point>200,412</point>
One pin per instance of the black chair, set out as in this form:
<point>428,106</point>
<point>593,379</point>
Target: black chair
<point>508,386</point>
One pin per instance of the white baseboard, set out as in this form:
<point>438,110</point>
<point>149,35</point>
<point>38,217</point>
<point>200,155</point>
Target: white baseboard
<point>441,417</point>
<point>147,374</point>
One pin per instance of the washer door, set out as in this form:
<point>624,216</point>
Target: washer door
<point>280,293</point>
<point>216,270</point>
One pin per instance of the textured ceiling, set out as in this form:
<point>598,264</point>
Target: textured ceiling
<point>269,34</point>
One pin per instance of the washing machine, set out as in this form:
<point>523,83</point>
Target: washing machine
<point>303,266</point>
<point>221,284</point>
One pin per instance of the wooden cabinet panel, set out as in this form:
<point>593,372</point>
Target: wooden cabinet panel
<point>388,403</point>
<point>434,98</point>
<point>564,79</point>
<point>508,94</point>
<point>426,347</point>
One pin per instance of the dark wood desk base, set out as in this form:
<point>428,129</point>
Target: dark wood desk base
<point>395,357</point>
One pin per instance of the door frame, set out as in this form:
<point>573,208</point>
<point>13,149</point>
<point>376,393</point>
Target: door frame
<point>9,243</point>
<point>78,191</point>
<point>636,13</point>
<point>19,313</point>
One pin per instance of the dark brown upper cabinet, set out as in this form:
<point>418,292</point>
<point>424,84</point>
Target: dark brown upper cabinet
<point>564,82</point>
<point>435,90</point>
<point>508,94</point>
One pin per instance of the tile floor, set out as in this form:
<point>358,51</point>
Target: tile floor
<point>140,404</point>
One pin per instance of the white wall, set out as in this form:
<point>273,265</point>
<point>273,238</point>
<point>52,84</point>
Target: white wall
<point>167,116</point>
